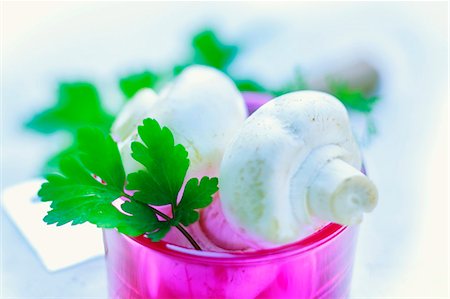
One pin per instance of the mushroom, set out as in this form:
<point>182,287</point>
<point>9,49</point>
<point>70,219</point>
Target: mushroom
<point>133,113</point>
<point>293,166</point>
<point>203,109</point>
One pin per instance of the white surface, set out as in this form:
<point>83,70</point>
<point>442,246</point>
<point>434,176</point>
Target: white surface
<point>403,244</point>
<point>57,247</point>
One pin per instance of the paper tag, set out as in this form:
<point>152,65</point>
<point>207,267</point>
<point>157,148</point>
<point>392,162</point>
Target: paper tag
<point>57,247</point>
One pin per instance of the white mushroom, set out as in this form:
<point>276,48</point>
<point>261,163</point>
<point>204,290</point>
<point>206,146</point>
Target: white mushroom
<point>203,109</point>
<point>133,113</point>
<point>293,164</point>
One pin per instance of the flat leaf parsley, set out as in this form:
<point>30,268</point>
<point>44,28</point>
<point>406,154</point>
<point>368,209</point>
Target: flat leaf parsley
<point>92,181</point>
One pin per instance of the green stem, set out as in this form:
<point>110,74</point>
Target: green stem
<point>178,226</point>
<point>188,236</point>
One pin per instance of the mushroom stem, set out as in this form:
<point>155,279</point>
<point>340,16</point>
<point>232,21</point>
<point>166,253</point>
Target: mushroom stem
<point>340,193</point>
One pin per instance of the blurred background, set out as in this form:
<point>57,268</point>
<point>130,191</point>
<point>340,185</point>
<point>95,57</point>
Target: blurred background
<point>392,57</point>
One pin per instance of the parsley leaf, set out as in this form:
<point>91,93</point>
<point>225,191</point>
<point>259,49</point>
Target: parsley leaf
<point>357,100</point>
<point>78,105</point>
<point>209,50</point>
<point>160,232</point>
<point>166,165</point>
<point>297,83</point>
<point>177,69</point>
<point>196,196</point>
<point>352,98</point>
<point>249,85</point>
<point>52,164</point>
<point>77,196</point>
<point>90,186</point>
<point>131,84</point>
<point>143,219</point>
<point>161,182</point>
<point>101,157</point>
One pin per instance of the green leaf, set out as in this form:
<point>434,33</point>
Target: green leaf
<point>131,84</point>
<point>249,85</point>
<point>90,185</point>
<point>101,156</point>
<point>297,83</point>
<point>77,196</point>
<point>78,105</point>
<point>196,196</point>
<point>166,165</point>
<point>177,69</point>
<point>52,164</point>
<point>158,234</point>
<point>143,219</point>
<point>209,50</point>
<point>352,98</point>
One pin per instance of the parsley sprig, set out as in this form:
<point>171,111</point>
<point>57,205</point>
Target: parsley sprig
<point>78,105</point>
<point>92,180</point>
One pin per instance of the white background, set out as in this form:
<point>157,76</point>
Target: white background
<point>403,244</point>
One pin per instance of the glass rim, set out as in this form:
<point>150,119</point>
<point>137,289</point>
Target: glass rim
<point>311,242</point>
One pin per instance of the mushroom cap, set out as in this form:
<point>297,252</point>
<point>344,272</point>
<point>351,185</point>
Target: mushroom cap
<point>133,113</point>
<point>204,109</point>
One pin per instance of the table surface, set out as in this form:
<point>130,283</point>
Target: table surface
<point>402,250</point>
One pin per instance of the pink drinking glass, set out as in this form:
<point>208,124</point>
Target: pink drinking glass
<point>318,266</point>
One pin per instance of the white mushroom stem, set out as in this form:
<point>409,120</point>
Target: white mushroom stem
<point>340,193</point>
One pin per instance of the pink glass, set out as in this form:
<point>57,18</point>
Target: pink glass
<point>318,266</point>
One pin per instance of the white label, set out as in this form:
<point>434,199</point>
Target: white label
<point>57,247</point>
